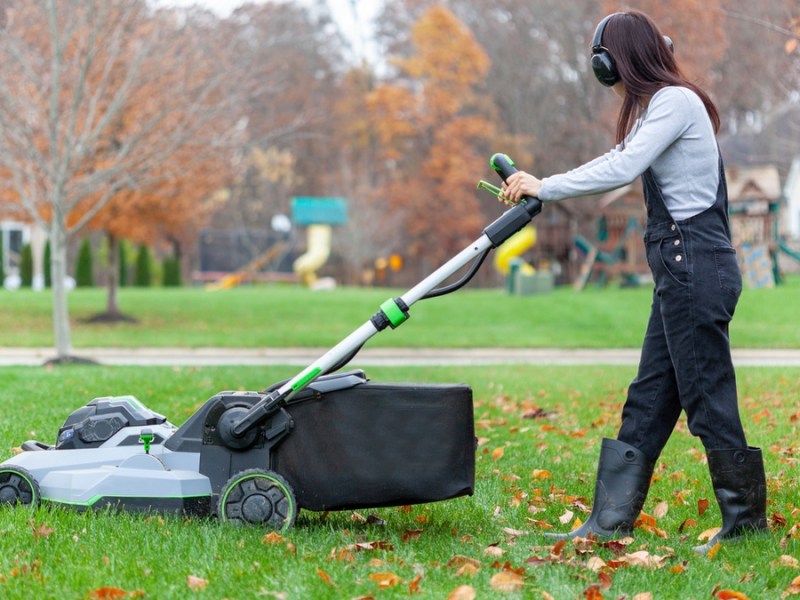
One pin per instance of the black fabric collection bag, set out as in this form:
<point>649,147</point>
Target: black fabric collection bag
<point>380,444</point>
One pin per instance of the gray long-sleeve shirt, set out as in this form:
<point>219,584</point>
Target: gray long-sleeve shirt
<point>674,137</point>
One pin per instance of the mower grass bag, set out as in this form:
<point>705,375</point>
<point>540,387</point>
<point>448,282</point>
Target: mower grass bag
<point>379,444</point>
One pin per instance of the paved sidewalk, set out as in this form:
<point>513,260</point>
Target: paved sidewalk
<point>374,356</point>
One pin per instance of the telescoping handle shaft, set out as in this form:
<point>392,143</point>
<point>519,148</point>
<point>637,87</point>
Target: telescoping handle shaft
<point>505,167</point>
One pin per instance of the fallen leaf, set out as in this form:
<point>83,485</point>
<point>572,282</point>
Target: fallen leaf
<point>196,584</point>
<point>686,524</point>
<point>642,558</point>
<point>41,531</point>
<point>593,593</point>
<point>794,587</point>
<point>645,519</point>
<point>558,547</point>
<point>604,579</point>
<point>325,577</point>
<point>413,587</point>
<point>660,510</point>
<point>730,595</point>
<point>566,517</point>
<point>459,560</point>
<point>494,551</point>
<point>702,506</point>
<point>506,581</point>
<point>539,523</point>
<point>497,453</point>
<point>714,549</point>
<point>462,592</point>
<point>272,538</point>
<point>107,593</point>
<point>643,596</point>
<point>467,570</point>
<point>677,569</point>
<point>596,564</point>
<point>385,580</point>
<point>789,561</point>
<point>541,474</point>
<point>411,534</point>
<point>708,534</point>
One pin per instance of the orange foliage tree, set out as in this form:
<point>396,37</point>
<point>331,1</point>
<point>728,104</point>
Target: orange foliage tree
<point>433,126</point>
<point>97,98</point>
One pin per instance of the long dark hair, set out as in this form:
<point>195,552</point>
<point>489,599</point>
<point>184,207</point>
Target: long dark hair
<point>645,64</point>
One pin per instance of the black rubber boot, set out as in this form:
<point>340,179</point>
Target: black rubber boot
<point>623,479</point>
<point>741,490</point>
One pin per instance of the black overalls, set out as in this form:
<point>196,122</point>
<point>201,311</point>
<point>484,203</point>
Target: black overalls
<point>686,360</point>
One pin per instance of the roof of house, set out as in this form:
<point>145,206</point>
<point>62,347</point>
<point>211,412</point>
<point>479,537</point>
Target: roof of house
<point>747,183</point>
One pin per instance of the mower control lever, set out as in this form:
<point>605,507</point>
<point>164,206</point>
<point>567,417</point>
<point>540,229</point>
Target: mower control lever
<point>505,167</point>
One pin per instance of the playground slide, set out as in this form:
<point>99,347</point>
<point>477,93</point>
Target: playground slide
<point>517,244</point>
<point>249,270</point>
<point>317,252</point>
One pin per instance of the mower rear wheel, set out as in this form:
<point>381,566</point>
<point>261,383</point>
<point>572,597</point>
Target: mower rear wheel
<point>18,486</point>
<point>258,497</point>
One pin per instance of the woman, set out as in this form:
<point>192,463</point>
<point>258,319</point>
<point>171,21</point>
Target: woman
<point>666,133</point>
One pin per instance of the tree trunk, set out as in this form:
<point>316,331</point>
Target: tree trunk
<point>112,283</point>
<point>58,263</point>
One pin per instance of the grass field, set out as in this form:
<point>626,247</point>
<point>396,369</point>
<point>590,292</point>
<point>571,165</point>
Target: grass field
<point>539,431</point>
<point>283,316</point>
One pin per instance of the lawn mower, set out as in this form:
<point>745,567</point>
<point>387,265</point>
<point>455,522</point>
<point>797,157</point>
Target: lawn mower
<point>322,440</point>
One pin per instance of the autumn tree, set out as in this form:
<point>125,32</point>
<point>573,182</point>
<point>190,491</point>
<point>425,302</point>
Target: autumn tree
<point>434,124</point>
<point>94,96</point>
<point>281,60</point>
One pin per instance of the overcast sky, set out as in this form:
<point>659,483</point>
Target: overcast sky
<point>354,16</point>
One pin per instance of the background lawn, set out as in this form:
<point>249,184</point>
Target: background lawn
<point>539,431</point>
<point>284,316</point>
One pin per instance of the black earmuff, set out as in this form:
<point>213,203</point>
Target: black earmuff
<point>602,62</point>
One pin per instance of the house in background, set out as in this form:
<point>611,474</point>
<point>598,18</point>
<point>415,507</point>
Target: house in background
<point>15,235</point>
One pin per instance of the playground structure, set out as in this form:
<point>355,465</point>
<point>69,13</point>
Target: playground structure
<point>616,252</point>
<point>755,197</point>
<point>755,202</point>
<point>617,255</point>
<point>318,215</point>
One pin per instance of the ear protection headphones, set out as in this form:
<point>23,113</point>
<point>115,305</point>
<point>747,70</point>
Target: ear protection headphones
<point>602,62</point>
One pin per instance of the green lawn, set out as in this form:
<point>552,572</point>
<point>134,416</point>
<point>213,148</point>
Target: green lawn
<point>539,430</point>
<point>283,315</point>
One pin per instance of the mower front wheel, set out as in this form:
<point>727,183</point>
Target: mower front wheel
<point>258,497</point>
<point>18,486</point>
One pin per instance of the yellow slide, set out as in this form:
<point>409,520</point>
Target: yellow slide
<point>317,252</point>
<point>517,244</point>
